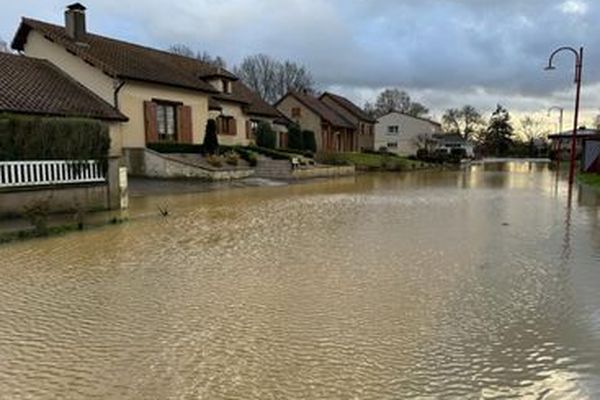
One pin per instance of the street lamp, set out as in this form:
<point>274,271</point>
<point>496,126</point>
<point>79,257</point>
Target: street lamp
<point>578,76</point>
<point>561,111</point>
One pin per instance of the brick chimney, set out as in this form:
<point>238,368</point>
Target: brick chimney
<point>75,21</point>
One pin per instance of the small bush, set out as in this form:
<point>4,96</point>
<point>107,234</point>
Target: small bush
<point>309,141</point>
<point>266,136</point>
<point>232,158</point>
<point>295,138</point>
<point>37,213</point>
<point>211,141</point>
<point>214,160</point>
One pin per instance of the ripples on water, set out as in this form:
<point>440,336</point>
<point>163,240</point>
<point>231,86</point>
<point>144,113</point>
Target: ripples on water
<point>430,285</point>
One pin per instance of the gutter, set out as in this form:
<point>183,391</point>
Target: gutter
<point>116,93</point>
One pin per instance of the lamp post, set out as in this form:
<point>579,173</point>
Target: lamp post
<point>561,111</point>
<point>578,76</point>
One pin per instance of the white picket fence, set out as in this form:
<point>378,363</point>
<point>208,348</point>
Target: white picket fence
<point>40,173</point>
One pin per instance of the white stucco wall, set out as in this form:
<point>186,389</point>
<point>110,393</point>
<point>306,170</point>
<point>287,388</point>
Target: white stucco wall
<point>409,128</point>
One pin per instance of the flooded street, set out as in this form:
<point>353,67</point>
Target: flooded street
<point>479,283</point>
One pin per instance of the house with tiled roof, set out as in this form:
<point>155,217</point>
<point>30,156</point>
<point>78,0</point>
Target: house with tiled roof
<point>333,131</point>
<point>166,97</point>
<point>32,86</point>
<point>364,123</point>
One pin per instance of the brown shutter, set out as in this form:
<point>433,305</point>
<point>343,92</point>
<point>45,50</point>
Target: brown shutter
<point>150,122</point>
<point>184,124</point>
<point>248,130</point>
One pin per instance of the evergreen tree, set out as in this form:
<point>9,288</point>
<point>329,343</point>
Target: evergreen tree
<point>498,135</point>
<point>295,138</point>
<point>211,141</point>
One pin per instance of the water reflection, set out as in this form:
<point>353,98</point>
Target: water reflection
<point>478,283</point>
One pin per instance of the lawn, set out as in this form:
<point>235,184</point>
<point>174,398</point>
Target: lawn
<point>590,179</point>
<point>373,161</point>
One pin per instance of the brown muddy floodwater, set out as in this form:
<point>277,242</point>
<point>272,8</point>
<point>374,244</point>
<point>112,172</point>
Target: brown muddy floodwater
<point>470,284</point>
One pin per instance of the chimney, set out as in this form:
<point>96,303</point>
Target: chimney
<point>75,21</point>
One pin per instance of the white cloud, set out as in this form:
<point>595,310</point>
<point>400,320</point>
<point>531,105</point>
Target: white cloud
<point>576,7</point>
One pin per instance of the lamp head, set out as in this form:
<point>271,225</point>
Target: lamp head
<point>550,67</point>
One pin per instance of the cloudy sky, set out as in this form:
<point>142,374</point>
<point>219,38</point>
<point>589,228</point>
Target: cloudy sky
<point>445,53</point>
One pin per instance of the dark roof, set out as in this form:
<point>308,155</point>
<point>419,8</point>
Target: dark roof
<point>580,133</point>
<point>34,86</point>
<point>350,107</point>
<point>412,116</point>
<point>449,137</point>
<point>321,109</point>
<point>130,61</point>
<point>125,60</point>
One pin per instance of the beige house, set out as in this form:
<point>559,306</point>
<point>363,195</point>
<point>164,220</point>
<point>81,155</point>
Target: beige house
<point>403,134</point>
<point>166,97</point>
<point>364,124</point>
<point>333,132</point>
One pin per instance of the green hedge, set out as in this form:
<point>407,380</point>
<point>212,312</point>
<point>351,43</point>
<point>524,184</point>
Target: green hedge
<point>25,137</point>
<point>170,148</point>
<point>265,135</point>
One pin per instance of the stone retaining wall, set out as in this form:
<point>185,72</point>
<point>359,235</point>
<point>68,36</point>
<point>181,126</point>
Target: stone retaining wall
<point>322,171</point>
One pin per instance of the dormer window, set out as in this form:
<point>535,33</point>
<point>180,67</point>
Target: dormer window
<point>226,86</point>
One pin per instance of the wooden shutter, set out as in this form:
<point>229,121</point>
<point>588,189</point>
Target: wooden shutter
<point>150,122</point>
<point>233,127</point>
<point>248,129</point>
<point>184,124</point>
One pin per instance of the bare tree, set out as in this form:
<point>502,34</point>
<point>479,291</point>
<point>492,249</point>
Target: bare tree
<point>423,141</point>
<point>186,51</point>
<point>271,78</point>
<point>532,128</point>
<point>4,46</point>
<point>396,100</point>
<point>466,121</point>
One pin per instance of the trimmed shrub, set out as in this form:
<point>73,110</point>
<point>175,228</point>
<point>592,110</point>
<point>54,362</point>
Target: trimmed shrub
<point>214,161</point>
<point>232,158</point>
<point>295,138</point>
<point>309,141</point>
<point>169,148</point>
<point>265,135</point>
<point>53,138</point>
<point>211,141</point>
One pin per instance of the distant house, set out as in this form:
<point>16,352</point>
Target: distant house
<point>452,142</point>
<point>364,123</point>
<point>333,132</point>
<point>561,142</point>
<point>403,134</point>
<point>166,97</point>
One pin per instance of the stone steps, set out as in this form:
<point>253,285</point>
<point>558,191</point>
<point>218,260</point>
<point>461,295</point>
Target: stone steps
<point>268,168</point>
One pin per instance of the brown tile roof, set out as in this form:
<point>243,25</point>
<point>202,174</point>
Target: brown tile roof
<point>33,86</point>
<point>321,109</point>
<point>130,61</point>
<point>350,107</point>
<point>123,60</point>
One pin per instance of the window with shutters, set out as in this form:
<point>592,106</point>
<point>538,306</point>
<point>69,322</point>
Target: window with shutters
<point>166,121</point>
<point>226,125</point>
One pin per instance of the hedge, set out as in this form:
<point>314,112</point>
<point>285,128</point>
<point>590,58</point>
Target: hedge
<point>170,148</point>
<point>24,137</point>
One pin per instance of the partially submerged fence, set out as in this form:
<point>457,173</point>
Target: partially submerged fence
<point>55,172</point>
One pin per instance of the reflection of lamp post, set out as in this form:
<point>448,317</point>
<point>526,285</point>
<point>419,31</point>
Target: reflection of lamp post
<point>578,76</point>
<point>561,111</point>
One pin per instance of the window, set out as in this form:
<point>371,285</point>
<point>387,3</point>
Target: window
<point>392,145</point>
<point>166,121</point>
<point>226,125</point>
<point>393,129</point>
<point>226,86</point>
<point>296,112</point>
